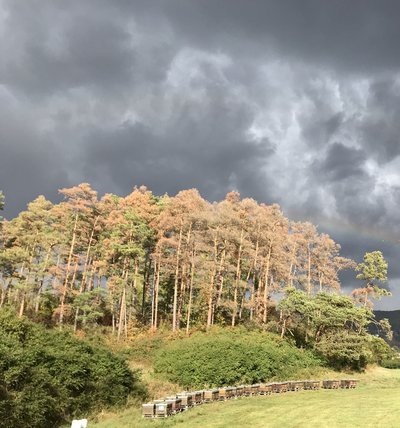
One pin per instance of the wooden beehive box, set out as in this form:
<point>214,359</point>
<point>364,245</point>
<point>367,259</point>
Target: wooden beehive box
<point>163,409</point>
<point>255,389</point>
<point>312,384</point>
<point>299,385</point>
<point>265,389</point>
<point>211,395</point>
<point>284,386</point>
<point>186,399</point>
<point>232,392</point>
<point>198,396</point>
<point>331,384</point>
<point>148,410</point>
<point>275,386</point>
<point>280,387</point>
<point>239,391</point>
<point>223,393</point>
<point>315,384</point>
<point>348,383</point>
<point>353,383</point>
<point>247,390</point>
<point>175,402</point>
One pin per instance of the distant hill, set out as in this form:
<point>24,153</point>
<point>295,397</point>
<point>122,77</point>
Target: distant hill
<point>394,319</point>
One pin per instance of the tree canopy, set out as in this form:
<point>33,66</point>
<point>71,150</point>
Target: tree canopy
<point>373,271</point>
<point>180,261</point>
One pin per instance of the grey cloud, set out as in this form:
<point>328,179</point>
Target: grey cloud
<point>380,129</point>
<point>342,163</point>
<point>208,150</point>
<point>360,37</point>
<point>30,165</point>
<point>52,47</point>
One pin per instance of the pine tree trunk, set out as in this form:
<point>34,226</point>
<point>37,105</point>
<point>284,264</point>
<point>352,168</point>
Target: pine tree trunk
<point>237,279</point>
<point>182,294</point>
<point>134,286</point>
<point>252,288</point>
<point>122,310</point>
<point>211,287</point>
<point>22,306</point>
<point>175,303</point>
<point>189,309</point>
<point>292,260</point>
<point>87,256</point>
<point>221,285</point>
<point>266,290</point>
<point>65,286</point>
<point>39,291</point>
<point>156,287</point>
<point>146,276</point>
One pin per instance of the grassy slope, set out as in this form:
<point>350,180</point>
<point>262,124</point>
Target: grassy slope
<point>375,403</point>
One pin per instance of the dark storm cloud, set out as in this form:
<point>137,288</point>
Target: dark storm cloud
<point>29,164</point>
<point>380,130</point>
<point>361,35</point>
<point>342,163</point>
<point>285,101</point>
<point>206,149</point>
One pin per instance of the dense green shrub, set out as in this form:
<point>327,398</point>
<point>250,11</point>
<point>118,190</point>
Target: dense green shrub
<point>343,349</point>
<point>391,364</point>
<point>47,377</point>
<point>231,357</point>
<point>351,350</point>
<point>380,350</point>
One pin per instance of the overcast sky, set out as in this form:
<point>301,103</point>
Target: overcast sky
<point>294,102</point>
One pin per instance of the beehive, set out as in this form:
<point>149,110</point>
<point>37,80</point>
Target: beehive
<point>255,389</point>
<point>175,402</point>
<point>163,409</point>
<point>274,387</point>
<point>348,383</point>
<point>186,399</point>
<point>280,387</point>
<point>331,384</point>
<point>247,390</point>
<point>239,391</point>
<point>148,410</point>
<point>223,393</point>
<point>312,384</point>
<point>265,389</point>
<point>198,397</point>
<point>210,395</point>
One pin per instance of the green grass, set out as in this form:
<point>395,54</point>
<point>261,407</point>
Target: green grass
<point>374,403</point>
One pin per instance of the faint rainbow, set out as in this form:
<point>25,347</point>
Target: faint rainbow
<point>334,225</point>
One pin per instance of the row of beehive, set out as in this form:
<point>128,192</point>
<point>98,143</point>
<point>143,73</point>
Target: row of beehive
<point>184,400</point>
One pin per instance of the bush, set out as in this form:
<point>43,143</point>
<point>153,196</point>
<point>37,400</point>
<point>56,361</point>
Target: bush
<point>48,377</point>
<point>230,358</point>
<point>351,350</point>
<point>391,364</point>
<point>345,350</point>
<point>380,350</point>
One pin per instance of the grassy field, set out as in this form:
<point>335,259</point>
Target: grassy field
<point>375,403</point>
